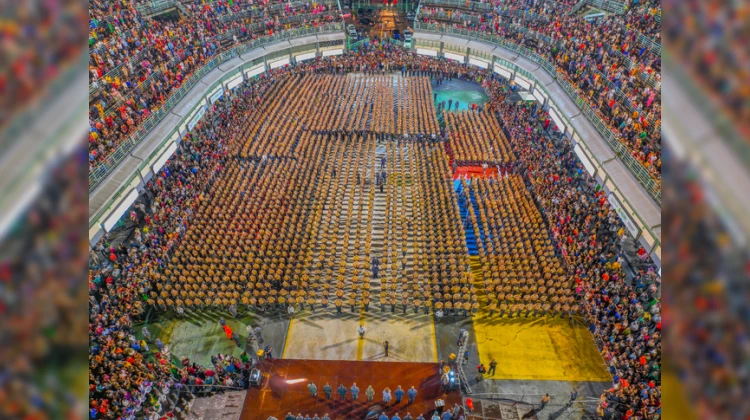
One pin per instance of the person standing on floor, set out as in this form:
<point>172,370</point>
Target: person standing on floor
<point>370,392</point>
<point>338,303</point>
<point>341,391</point>
<point>545,400</point>
<point>146,333</point>
<point>456,410</point>
<point>361,330</point>
<point>313,390</point>
<point>327,390</point>
<point>493,365</point>
<point>258,334</point>
<point>412,393</point>
<point>469,404</point>
<point>386,346</point>
<point>399,394</point>
<point>387,395</point>
<point>460,339</point>
<point>573,397</point>
<point>355,391</point>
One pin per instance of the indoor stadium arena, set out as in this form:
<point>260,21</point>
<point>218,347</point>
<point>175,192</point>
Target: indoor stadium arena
<point>390,210</point>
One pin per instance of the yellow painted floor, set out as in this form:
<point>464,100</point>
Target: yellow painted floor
<point>325,336</point>
<point>541,348</point>
<point>675,402</point>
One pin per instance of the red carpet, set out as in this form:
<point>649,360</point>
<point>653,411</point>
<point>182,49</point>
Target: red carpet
<point>277,396</point>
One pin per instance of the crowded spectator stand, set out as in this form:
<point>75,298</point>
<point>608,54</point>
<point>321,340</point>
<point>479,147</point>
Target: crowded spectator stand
<point>127,278</point>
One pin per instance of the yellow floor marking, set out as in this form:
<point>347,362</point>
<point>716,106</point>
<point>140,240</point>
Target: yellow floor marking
<point>361,342</point>
<point>434,339</point>
<point>675,402</point>
<point>286,342</point>
<point>539,348</point>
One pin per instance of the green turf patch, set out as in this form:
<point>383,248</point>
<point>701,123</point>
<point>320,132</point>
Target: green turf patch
<point>198,335</point>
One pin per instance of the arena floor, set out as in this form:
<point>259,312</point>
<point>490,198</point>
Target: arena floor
<point>284,389</point>
<point>535,355</point>
<point>325,337</point>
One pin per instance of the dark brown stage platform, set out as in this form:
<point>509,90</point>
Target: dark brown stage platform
<point>284,389</point>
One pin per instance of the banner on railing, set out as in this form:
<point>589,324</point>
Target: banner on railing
<point>479,63</point>
<point>306,56</point>
<point>539,95</point>
<point>337,51</point>
<point>584,159</point>
<point>164,157</point>
<point>502,71</point>
<point>279,63</point>
<point>523,82</point>
<point>234,82</point>
<point>425,51</point>
<point>557,119</point>
<point>624,216</point>
<point>255,70</point>
<point>218,93</point>
<point>124,205</point>
<point>456,57</point>
<point>196,117</point>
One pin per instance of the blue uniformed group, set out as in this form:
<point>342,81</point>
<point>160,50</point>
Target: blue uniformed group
<point>354,390</point>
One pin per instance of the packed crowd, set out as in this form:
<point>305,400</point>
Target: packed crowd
<point>709,310</point>
<point>40,44</point>
<point>706,40</point>
<point>475,138</point>
<point>625,314</point>
<point>127,277</point>
<point>521,273</point>
<point>187,193</point>
<point>43,260</point>
<point>136,62</point>
<point>334,104</point>
<point>265,264</point>
<point>122,276</point>
<point>609,62</point>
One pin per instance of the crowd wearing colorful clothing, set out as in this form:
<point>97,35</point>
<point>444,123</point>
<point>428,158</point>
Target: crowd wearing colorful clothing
<point>614,63</point>
<point>136,63</point>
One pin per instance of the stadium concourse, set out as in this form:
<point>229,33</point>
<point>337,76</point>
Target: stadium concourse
<point>345,219</point>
